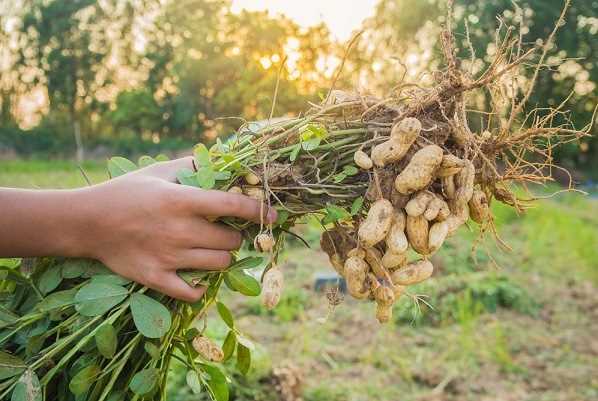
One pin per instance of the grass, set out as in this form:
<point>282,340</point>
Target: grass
<point>513,326</point>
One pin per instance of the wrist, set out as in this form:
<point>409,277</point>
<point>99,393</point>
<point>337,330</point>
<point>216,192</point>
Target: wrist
<point>81,223</point>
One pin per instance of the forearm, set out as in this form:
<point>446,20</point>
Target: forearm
<point>42,222</point>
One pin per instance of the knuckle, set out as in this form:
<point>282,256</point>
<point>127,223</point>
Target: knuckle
<point>151,277</point>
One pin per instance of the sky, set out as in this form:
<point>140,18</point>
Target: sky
<point>341,16</point>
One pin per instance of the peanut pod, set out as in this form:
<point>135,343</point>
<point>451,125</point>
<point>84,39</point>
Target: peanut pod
<point>413,273</point>
<point>377,223</point>
<point>419,173</point>
<point>402,136</point>
<point>417,234</point>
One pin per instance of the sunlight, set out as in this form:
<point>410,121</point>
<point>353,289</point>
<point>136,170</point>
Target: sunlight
<point>340,19</point>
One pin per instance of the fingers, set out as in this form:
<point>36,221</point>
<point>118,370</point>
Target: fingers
<point>173,286</point>
<point>168,170</point>
<point>203,259</point>
<point>220,204</point>
<point>215,236</point>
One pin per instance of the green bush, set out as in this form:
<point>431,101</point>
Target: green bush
<point>456,298</point>
<point>291,306</point>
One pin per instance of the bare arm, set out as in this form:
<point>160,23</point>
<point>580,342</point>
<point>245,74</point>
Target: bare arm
<point>142,226</point>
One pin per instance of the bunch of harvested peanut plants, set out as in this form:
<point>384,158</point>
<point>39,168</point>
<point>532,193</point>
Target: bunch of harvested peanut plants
<point>390,179</point>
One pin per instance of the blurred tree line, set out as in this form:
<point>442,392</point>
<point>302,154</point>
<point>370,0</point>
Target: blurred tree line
<point>137,75</point>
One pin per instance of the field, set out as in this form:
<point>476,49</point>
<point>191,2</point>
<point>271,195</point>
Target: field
<point>518,325</point>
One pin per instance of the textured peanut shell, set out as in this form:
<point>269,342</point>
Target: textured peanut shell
<point>450,165</point>
<point>396,240</point>
<point>377,223</point>
<point>413,273</point>
<point>235,190</point>
<point>417,234</point>
<point>263,242</point>
<point>419,203</point>
<point>464,181</point>
<point>362,160</point>
<point>444,212</point>
<point>478,206</point>
<point>337,263</point>
<point>453,223</point>
<point>433,208</point>
<point>355,273</point>
<point>207,349</point>
<point>391,261</point>
<point>402,136</point>
<point>419,173</point>
<point>437,235</point>
<point>272,287</point>
<point>373,257</point>
<point>384,297</point>
<point>252,179</point>
<point>448,186</point>
<point>255,193</point>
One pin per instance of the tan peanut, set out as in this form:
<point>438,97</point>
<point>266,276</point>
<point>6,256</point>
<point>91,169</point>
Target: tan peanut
<point>437,235</point>
<point>419,203</point>
<point>402,136</point>
<point>377,223</point>
<point>272,287</point>
<point>396,241</point>
<point>363,160</point>
<point>413,273</point>
<point>419,173</point>
<point>417,234</point>
<point>356,270</point>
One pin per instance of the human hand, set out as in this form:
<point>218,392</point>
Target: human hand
<point>144,226</point>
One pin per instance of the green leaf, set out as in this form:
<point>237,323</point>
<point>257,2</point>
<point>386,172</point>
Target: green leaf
<point>295,153</point>
<point>356,206</point>
<point>10,365</point>
<point>246,342</point>
<point>145,161</point>
<point>106,340</point>
<point>7,317</point>
<point>243,359</point>
<point>338,178</point>
<point>118,166</point>
<point>116,396</point>
<point>84,379</point>
<point>27,388</point>
<point>216,383</point>
<point>50,279</point>
<point>144,381</point>
<point>244,283</point>
<point>57,300</point>
<point>11,263</point>
<point>193,381</point>
<point>281,218</point>
<point>73,268</point>
<point>151,318</point>
<point>225,314</point>
<point>222,175</point>
<point>162,158</point>
<point>113,279</point>
<point>98,298</point>
<point>335,213</point>
<point>202,155</point>
<point>350,170</point>
<point>311,144</point>
<point>206,178</point>
<point>229,344</point>
<point>186,176</point>
<point>246,263</point>
<point>152,350</point>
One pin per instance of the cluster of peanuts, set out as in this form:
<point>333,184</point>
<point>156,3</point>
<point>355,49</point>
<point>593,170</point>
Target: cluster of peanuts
<point>418,216</point>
